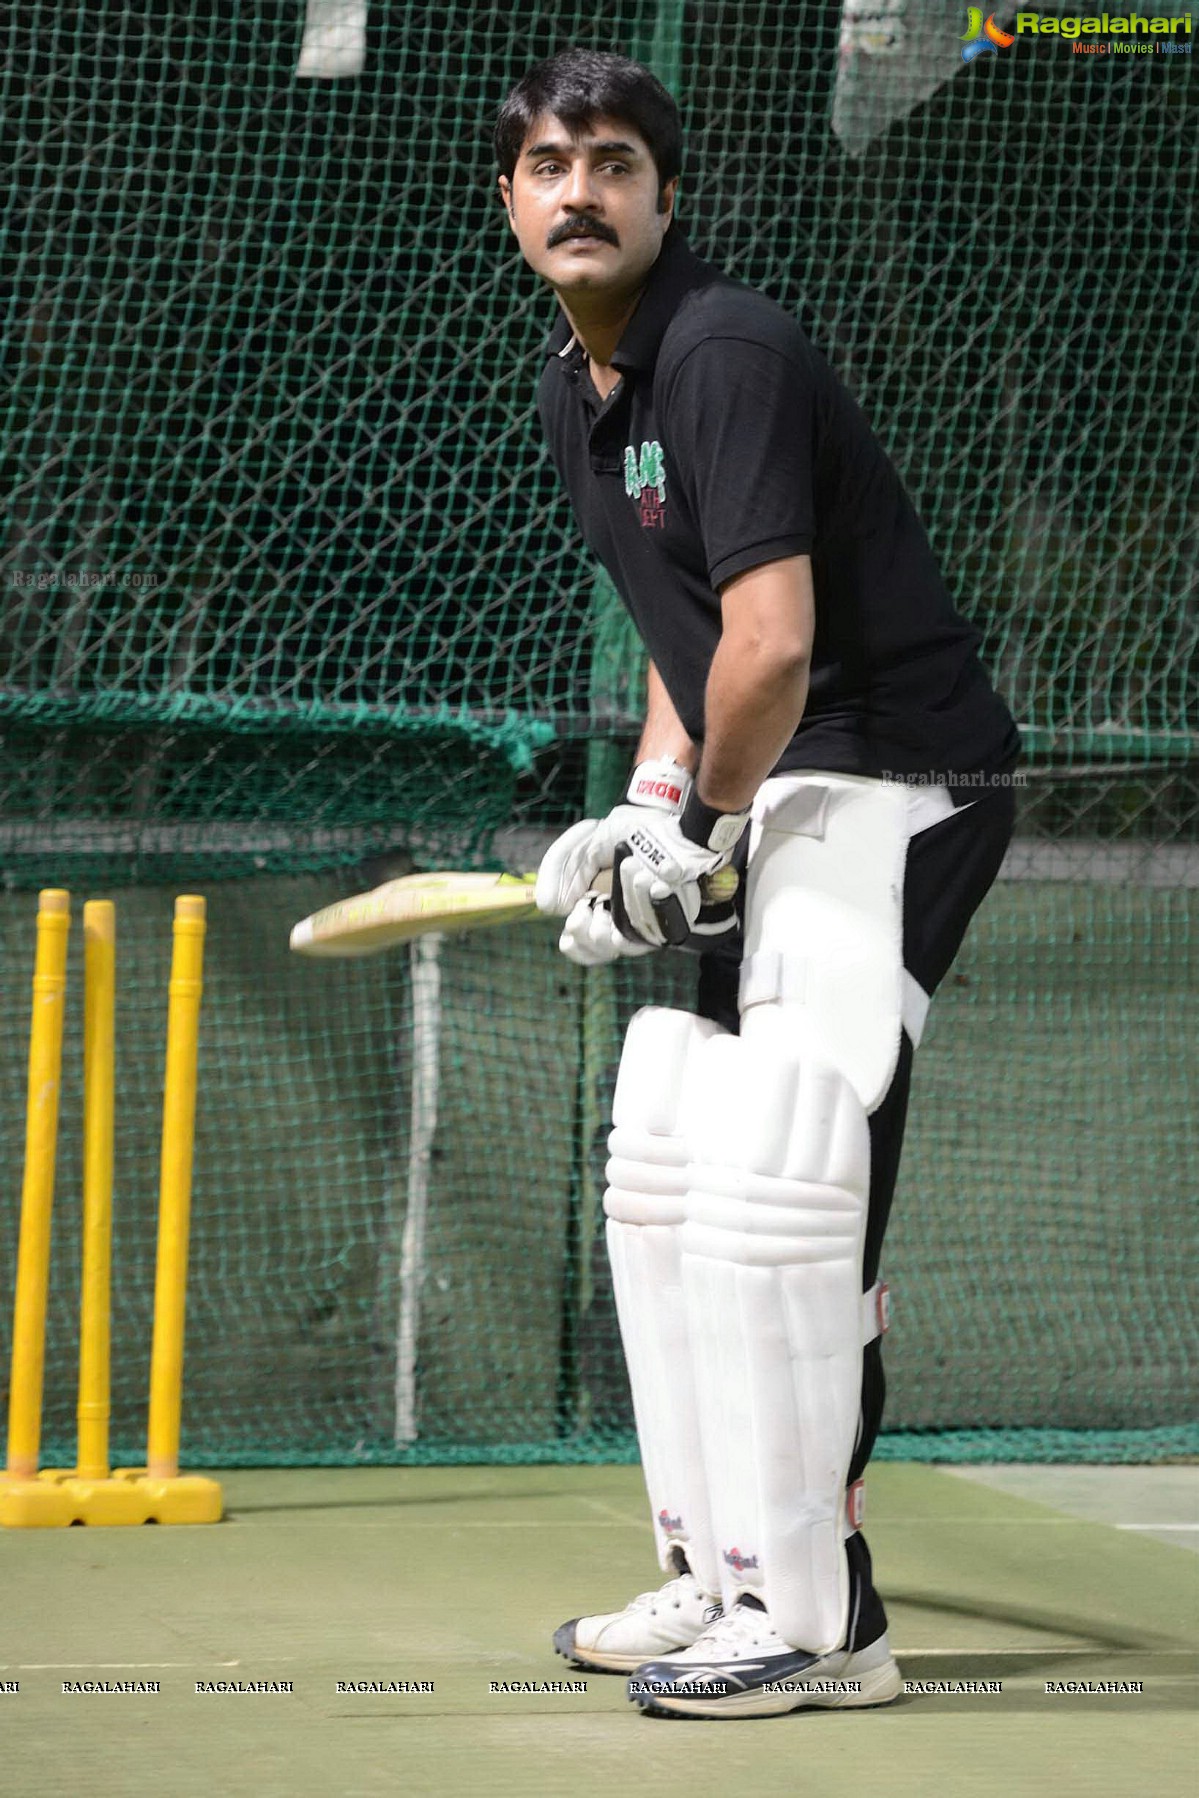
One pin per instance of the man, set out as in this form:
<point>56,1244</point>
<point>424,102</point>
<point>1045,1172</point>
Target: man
<point>818,718</point>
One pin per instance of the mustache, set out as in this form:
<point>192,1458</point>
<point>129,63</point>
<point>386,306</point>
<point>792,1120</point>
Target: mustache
<point>581,227</point>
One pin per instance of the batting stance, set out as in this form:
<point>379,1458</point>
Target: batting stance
<point>817,718</point>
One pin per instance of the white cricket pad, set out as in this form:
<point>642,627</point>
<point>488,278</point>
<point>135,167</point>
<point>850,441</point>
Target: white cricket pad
<point>645,1205</point>
<point>772,1277</point>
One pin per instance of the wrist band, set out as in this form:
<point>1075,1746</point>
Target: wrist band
<point>711,829</point>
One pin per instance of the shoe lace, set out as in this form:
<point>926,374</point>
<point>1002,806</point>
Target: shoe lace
<point>727,1635</point>
<point>662,1595</point>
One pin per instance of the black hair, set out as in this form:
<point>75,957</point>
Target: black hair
<point>580,86</point>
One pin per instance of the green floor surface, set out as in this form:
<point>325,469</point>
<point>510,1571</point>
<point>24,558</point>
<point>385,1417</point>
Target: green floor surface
<point>458,1576</point>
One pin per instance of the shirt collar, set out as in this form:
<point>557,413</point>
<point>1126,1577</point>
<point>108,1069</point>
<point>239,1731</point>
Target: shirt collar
<point>677,270</point>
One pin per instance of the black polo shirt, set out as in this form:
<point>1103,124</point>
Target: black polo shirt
<point>727,443</point>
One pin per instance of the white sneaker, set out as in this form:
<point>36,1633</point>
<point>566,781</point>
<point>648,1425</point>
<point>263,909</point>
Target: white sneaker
<point>739,1667</point>
<point>653,1623</point>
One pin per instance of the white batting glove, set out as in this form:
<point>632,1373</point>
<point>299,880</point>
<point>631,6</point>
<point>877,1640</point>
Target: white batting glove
<point>656,894</point>
<point>590,937</point>
<point>570,865</point>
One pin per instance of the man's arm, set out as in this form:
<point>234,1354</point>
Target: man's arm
<point>758,682</point>
<point>663,735</point>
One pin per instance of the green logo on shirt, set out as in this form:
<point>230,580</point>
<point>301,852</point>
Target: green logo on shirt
<point>645,480</point>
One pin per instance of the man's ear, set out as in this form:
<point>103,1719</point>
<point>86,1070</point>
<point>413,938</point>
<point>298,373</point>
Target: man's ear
<point>666,196</point>
<point>505,187</point>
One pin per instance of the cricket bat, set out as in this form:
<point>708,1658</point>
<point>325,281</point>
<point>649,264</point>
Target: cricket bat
<point>411,906</point>
<point>448,903</point>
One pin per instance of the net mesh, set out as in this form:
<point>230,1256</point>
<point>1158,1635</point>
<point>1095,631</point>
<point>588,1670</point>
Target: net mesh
<point>291,602</point>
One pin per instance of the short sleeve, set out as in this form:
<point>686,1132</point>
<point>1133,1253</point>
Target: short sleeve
<point>739,426</point>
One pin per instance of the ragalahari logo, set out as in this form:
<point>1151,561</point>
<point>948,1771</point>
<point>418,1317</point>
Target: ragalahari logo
<point>984,38</point>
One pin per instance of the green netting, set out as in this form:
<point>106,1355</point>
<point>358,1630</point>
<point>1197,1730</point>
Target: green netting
<point>291,601</point>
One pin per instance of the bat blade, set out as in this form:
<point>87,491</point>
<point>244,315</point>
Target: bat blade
<point>412,906</point>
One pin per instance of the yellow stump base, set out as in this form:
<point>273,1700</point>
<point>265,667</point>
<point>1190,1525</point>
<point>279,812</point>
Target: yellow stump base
<point>58,1498</point>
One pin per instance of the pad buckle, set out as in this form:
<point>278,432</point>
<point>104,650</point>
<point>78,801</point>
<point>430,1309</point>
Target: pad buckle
<point>855,1504</point>
<point>882,1307</point>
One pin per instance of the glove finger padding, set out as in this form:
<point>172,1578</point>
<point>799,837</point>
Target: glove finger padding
<point>590,937</point>
<point>620,910</point>
<point>569,866</point>
<point>648,909</point>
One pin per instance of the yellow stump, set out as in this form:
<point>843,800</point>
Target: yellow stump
<point>37,1192</point>
<point>175,1497</point>
<point>99,1002</point>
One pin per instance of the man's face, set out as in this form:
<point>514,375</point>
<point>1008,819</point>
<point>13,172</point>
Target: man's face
<point>585,209</point>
